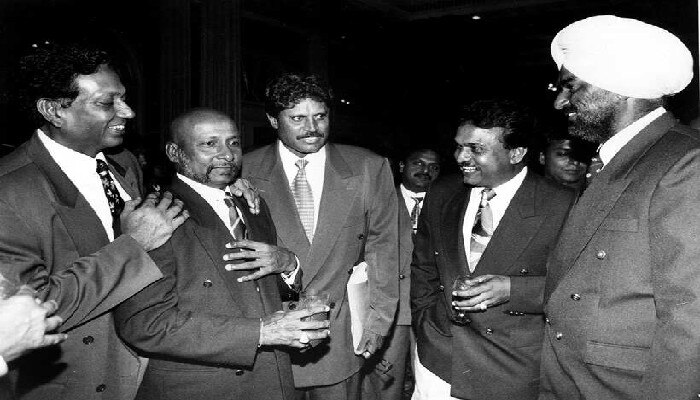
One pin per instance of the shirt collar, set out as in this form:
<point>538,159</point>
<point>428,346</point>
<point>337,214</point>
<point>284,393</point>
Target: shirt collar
<point>506,190</point>
<point>210,194</point>
<point>68,158</point>
<point>613,145</point>
<point>409,194</point>
<point>288,157</point>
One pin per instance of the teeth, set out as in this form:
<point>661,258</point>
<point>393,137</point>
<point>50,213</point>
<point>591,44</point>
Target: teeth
<point>118,127</point>
<point>468,169</point>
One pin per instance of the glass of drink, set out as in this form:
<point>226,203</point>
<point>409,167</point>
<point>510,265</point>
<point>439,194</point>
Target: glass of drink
<point>310,298</point>
<point>460,317</point>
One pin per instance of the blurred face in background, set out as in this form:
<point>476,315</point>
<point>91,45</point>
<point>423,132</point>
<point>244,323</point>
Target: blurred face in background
<point>419,170</point>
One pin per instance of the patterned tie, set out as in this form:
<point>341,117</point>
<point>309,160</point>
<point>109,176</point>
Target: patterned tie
<point>238,230</point>
<point>482,229</point>
<point>115,201</point>
<point>415,213</point>
<point>304,198</point>
<point>594,168</point>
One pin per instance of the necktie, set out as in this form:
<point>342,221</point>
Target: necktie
<point>594,168</point>
<point>238,230</point>
<point>415,212</point>
<point>482,229</point>
<point>115,201</point>
<point>304,199</point>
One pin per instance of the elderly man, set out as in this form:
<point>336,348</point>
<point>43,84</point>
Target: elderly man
<point>212,329</point>
<point>334,206</point>
<point>495,223</point>
<point>623,288</point>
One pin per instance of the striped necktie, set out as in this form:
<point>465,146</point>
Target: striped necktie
<point>304,199</point>
<point>115,201</point>
<point>415,212</point>
<point>482,229</point>
<point>238,230</point>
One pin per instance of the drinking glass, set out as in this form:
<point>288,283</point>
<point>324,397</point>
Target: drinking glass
<point>310,298</point>
<point>460,283</point>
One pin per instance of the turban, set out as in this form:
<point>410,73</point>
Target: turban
<point>624,56</point>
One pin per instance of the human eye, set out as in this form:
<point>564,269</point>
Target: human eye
<point>477,149</point>
<point>296,118</point>
<point>320,117</point>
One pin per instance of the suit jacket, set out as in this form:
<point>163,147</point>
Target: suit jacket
<point>357,216</point>
<point>200,326</point>
<point>58,245</point>
<point>405,256</point>
<point>623,294</point>
<point>496,356</point>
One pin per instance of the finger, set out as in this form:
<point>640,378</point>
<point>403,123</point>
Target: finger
<point>52,323</point>
<point>255,207</point>
<point>244,266</point>
<point>175,208</point>
<point>308,311</point>
<point>318,334</point>
<point>130,205</point>
<point>25,290</point>
<point>50,306</point>
<point>312,325</point>
<point>256,275</point>
<point>261,258</point>
<point>49,340</point>
<point>180,219</point>
<point>304,338</point>
<point>470,302</point>
<point>249,244</point>
<point>366,354</point>
<point>165,200</point>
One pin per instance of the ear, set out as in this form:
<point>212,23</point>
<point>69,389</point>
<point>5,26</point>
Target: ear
<point>401,166</point>
<point>517,154</point>
<point>273,121</point>
<point>541,158</point>
<point>172,151</point>
<point>51,111</point>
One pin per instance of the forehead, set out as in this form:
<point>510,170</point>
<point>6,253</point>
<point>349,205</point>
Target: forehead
<point>220,127</point>
<point>426,156</point>
<point>103,81</point>
<point>307,106</point>
<point>560,144</point>
<point>470,134</point>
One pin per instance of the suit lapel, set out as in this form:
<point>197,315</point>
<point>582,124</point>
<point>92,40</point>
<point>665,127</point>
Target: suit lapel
<point>339,190</point>
<point>78,217</point>
<point>452,215</point>
<point>598,200</point>
<point>125,176</point>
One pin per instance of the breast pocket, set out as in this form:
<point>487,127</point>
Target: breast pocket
<point>617,356</point>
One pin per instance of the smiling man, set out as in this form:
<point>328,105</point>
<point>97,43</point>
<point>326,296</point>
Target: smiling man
<point>334,206</point>
<point>623,289</point>
<point>497,222</point>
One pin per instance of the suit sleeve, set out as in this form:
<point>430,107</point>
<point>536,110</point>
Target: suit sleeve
<point>84,288</point>
<point>154,324</point>
<point>381,251</point>
<point>674,231</point>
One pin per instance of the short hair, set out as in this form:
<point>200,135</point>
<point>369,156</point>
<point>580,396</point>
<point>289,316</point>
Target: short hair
<point>510,115</point>
<point>408,154</point>
<point>289,89</point>
<point>49,71</point>
<point>185,122</point>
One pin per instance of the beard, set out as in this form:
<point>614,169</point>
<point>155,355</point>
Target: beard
<point>595,116</point>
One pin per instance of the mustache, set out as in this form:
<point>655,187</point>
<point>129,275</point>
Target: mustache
<point>310,135</point>
<point>227,165</point>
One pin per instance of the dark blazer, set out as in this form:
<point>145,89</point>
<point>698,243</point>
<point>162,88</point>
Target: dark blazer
<point>58,246</point>
<point>200,326</point>
<point>623,293</point>
<point>405,256</point>
<point>496,356</point>
<point>358,206</point>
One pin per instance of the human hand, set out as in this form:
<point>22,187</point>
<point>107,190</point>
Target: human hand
<point>264,258</point>
<point>485,291</point>
<point>286,328</point>
<point>152,222</point>
<point>370,343</point>
<point>241,187</point>
<point>24,323</point>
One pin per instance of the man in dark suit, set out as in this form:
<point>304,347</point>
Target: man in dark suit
<point>623,289</point>
<point>213,331</point>
<point>496,222</point>
<point>61,230</point>
<point>334,206</point>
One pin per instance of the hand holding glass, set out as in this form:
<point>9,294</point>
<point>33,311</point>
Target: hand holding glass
<point>460,283</point>
<point>309,299</point>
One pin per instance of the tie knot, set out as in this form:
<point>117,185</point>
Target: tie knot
<point>301,163</point>
<point>487,194</point>
<point>228,199</point>
<point>417,199</point>
<point>101,167</point>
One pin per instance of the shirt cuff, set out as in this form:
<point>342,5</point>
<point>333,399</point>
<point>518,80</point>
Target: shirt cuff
<point>290,277</point>
<point>3,367</point>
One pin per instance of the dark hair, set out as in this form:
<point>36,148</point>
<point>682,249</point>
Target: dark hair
<point>410,153</point>
<point>49,71</point>
<point>289,89</point>
<point>513,117</point>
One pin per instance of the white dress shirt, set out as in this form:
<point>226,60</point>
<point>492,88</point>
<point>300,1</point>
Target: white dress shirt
<point>315,172</point>
<point>408,196</point>
<point>613,145</point>
<point>499,204</point>
<point>82,171</point>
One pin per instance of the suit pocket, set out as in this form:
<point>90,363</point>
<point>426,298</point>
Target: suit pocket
<point>617,356</point>
<point>621,224</point>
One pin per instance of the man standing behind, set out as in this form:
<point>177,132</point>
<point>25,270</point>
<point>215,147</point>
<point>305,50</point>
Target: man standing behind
<point>496,222</point>
<point>623,288</point>
<point>69,227</point>
<point>333,206</point>
<point>209,326</point>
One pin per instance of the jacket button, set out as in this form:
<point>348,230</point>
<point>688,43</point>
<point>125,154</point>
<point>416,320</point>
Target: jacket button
<point>524,271</point>
<point>547,321</point>
<point>437,253</point>
<point>441,288</point>
<point>558,335</point>
<point>239,372</point>
<point>331,305</point>
<point>207,283</point>
<point>350,271</point>
<point>575,297</point>
<point>88,340</point>
<point>402,276</point>
<point>360,236</point>
<point>489,331</point>
<point>292,305</point>
<point>101,388</point>
<point>257,289</point>
<point>601,254</point>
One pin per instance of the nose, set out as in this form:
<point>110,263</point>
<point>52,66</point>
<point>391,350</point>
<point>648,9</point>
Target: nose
<point>226,153</point>
<point>463,155</point>
<point>561,101</point>
<point>311,125</point>
<point>123,110</point>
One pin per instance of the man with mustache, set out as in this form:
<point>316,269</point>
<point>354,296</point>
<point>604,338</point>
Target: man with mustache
<point>623,289</point>
<point>211,328</point>
<point>496,222</point>
<point>334,206</point>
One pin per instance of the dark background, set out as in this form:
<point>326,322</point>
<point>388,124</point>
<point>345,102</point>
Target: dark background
<point>400,69</point>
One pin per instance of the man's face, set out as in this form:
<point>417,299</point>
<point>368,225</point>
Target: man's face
<point>483,159</point>
<point>560,164</point>
<point>591,111</point>
<point>419,170</point>
<point>304,128</point>
<point>96,119</point>
<point>210,154</point>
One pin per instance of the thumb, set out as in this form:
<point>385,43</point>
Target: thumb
<point>130,205</point>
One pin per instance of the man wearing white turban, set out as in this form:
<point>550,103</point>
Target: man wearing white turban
<point>622,296</point>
